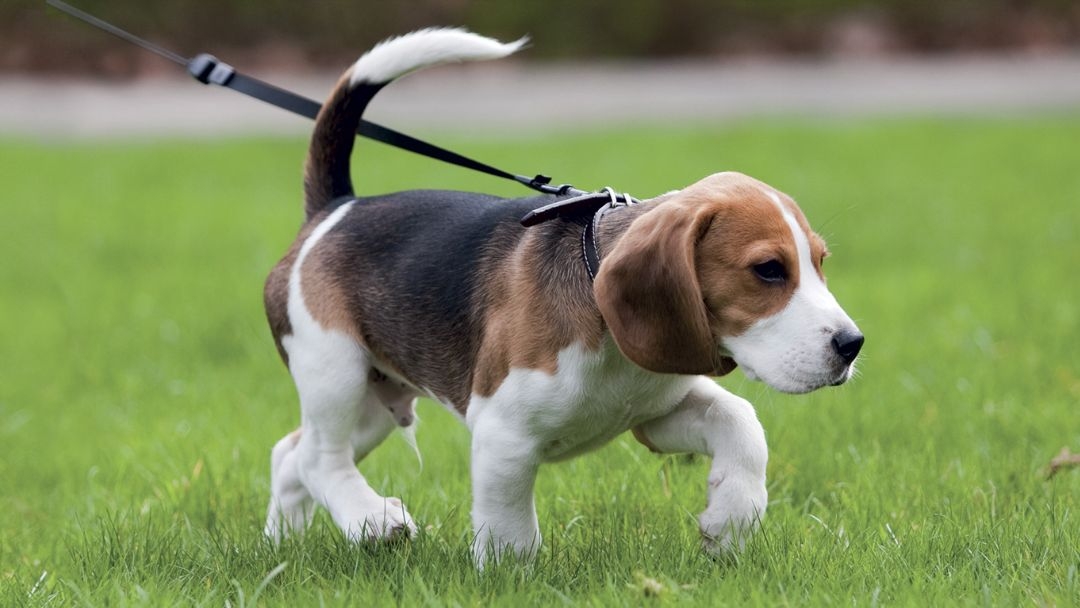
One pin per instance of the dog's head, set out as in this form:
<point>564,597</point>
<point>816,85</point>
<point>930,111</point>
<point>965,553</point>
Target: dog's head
<point>726,272</point>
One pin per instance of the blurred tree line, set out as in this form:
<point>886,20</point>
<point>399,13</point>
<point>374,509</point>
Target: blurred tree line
<point>288,33</point>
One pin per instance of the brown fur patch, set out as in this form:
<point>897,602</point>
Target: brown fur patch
<point>276,292</point>
<point>747,229</point>
<point>648,292</point>
<point>324,296</point>
<point>534,311</point>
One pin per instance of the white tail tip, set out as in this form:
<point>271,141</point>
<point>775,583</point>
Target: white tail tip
<point>398,56</point>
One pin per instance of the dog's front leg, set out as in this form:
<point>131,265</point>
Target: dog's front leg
<point>714,422</point>
<point>504,465</point>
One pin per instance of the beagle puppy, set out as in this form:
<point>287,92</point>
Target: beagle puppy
<point>386,298</point>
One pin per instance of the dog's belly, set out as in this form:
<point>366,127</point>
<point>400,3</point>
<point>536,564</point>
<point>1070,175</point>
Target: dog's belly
<point>593,397</point>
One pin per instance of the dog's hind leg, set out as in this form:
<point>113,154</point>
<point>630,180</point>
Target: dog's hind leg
<point>714,422</point>
<point>291,506</point>
<point>343,420</point>
<point>332,370</point>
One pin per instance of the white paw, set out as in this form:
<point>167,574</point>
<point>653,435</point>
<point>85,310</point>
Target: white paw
<point>386,519</point>
<point>733,513</point>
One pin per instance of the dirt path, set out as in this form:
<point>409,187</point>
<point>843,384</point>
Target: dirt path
<point>508,96</point>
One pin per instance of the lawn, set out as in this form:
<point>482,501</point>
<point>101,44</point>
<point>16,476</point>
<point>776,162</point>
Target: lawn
<point>140,392</point>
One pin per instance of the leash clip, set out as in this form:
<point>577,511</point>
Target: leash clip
<point>542,183</point>
<point>208,69</point>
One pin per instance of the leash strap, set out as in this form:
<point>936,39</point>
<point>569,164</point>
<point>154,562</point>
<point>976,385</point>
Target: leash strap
<point>208,69</point>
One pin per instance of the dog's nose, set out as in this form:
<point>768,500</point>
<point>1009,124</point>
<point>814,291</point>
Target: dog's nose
<point>847,344</point>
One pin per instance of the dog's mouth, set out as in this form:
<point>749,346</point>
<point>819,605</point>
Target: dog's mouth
<point>799,383</point>
<point>846,374</point>
<point>787,379</point>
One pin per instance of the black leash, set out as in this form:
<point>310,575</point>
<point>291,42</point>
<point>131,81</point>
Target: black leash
<point>208,69</point>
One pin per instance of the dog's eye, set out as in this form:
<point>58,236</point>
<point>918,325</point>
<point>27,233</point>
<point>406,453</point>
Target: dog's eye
<point>771,271</point>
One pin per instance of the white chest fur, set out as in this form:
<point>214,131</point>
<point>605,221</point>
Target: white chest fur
<point>592,397</point>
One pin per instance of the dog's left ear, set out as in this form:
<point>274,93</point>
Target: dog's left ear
<point>648,292</point>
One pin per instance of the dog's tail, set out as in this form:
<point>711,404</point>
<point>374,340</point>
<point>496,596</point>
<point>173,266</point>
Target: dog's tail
<point>326,176</point>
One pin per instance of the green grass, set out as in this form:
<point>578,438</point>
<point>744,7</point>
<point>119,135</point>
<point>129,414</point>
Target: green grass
<point>140,392</point>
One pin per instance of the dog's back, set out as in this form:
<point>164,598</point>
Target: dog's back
<point>429,249</point>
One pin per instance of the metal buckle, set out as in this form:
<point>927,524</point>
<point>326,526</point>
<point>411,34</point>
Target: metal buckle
<point>615,201</point>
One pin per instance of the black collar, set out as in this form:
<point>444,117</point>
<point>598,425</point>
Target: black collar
<point>596,204</point>
<point>589,249</point>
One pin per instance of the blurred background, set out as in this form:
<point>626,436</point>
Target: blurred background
<point>283,33</point>
<point>665,61</point>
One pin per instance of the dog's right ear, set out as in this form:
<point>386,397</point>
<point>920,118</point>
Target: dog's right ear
<point>649,295</point>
